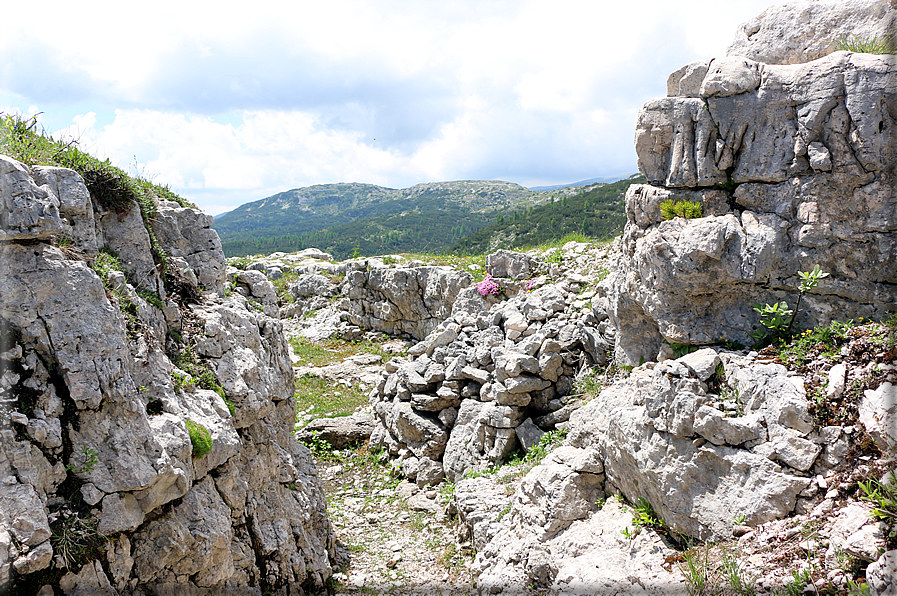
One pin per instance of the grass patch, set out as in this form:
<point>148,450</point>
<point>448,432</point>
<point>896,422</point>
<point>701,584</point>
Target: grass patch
<point>113,188</point>
<point>864,343</point>
<point>200,374</point>
<point>687,209</point>
<point>473,264</point>
<point>322,398</point>
<point>333,350</point>
<point>282,286</point>
<point>883,495</point>
<point>200,437</point>
<point>75,539</point>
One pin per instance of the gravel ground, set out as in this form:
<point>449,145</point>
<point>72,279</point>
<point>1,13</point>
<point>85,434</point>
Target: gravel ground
<point>393,538</point>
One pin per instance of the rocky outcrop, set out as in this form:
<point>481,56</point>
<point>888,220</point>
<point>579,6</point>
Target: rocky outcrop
<point>374,295</point>
<point>804,31</point>
<point>499,371</point>
<point>794,166</point>
<point>103,378</point>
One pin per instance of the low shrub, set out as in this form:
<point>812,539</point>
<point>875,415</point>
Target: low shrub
<point>688,209</point>
<point>200,437</point>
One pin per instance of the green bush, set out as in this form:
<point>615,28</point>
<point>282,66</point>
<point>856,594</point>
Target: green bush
<point>688,209</point>
<point>778,319</point>
<point>200,437</point>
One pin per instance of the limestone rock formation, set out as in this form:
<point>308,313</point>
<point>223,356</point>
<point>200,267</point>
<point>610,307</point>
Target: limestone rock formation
<point>104,373</point>
<point>794,166</point>
<point>369,295</point>
<point>804,31</point>
<point>499,368</point>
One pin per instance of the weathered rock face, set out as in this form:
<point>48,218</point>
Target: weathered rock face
<point>555,535</point>
<point>93,410</point>
<point>499,371</point>
<point>369,294</point>
<point>804,31</point>
<point>804,160</point>
<point>750,456</point>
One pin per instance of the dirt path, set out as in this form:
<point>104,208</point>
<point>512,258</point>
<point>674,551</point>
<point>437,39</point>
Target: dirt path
<point>392,537</point>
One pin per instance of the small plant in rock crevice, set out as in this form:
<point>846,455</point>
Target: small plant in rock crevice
<point>868,44</point>
<point>89,459</point>
<point>488,287</point>
<point>75,539</point>
<point>200,437</point>
<point>671,209</point>
<point>777,320</point>
<point>883,495</point>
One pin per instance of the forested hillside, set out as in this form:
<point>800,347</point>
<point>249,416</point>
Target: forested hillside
<point>436,217</point>
<point>597,212</point>
<point>288,220</point>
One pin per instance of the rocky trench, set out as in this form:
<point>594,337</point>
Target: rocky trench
<point>698,437</point>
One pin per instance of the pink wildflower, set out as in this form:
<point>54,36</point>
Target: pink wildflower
<point>487,286</point>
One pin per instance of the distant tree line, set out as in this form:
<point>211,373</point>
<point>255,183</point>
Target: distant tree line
<point>598,213</point>
<point>436,226</point>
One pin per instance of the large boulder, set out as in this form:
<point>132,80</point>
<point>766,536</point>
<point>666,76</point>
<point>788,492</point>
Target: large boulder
<point>803,157</point>
<point>803,31</point>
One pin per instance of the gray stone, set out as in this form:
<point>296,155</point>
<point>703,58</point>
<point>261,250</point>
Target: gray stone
<point>136,466</point>
<point>714,426</point>
<point>528,434</point>
<point>702,363</point>
<point>30,212</point>
<point>312,284</point>
<point>424,436</point>
<point>799,32</point>
<point>506,263</point>
<point>339,432</point>
<point>856,533</point>
<point>187,233</point>
<point>513,364</point>
<point>791,202</point>
<point>686,82</point>
<point>731,76</point>
<point>121,513</point>
<point>75,206</point>
<point>90,581</point>
<point>789,448</point>
<point>674,473</point>
<point>882,575</point>
<point>427,402</point>
<point>525,384</point>
<point>878,412</point>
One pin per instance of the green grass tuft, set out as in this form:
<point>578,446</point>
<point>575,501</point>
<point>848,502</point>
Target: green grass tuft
<point>200,437</point>
<point>868,45</point>
<point>688,209</point>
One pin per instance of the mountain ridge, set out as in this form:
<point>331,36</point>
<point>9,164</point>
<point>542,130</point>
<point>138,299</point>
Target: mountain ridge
<point>318,214</point>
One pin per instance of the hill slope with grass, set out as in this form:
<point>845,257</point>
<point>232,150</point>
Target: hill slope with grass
<point>339,218</point>
<point>292,217</point>
<point>596,212</point>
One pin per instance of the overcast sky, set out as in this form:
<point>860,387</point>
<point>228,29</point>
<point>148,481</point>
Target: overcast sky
<point>229,106</point>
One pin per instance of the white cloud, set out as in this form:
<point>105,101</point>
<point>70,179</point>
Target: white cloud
<point>235,105</point>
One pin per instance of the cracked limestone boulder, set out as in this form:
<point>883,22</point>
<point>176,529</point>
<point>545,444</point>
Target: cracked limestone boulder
<point>803,31</point>
<point>187,234</point>
<point>87,382</point>
<point>693,487</point>
<point>804,159</point>
<point>29,211</point>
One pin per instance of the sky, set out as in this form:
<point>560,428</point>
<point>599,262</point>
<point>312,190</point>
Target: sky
<point>228,106</point>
